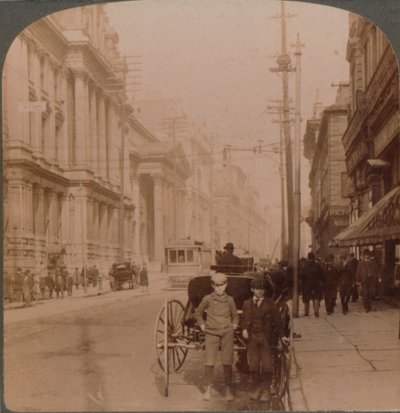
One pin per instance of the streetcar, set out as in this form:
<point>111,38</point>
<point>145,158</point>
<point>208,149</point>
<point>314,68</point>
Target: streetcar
<point>176,332</point>
<point>186,259</point>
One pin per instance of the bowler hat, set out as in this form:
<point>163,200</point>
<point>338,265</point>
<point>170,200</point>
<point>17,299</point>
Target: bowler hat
<point>219,278</point>
<point>311,256</point>
<point>229,246</point>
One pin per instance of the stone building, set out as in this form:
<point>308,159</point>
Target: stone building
<point>237,216</point>
<point>371,142</point>
<point>167,121</point>
<point>82,177</point>
<point>328,177</point>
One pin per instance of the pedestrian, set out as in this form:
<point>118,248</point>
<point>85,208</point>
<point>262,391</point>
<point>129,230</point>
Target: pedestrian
<point>101,276</point>
<point>27,288</point>
<point>312,281</point>
<point>144,279</point>
<point>331,278</point>
<point>368,277</point>
<point>219,326</point>
<point>111,276</point>
<point>59,283</point>
<point>70,284</point>
<point>260,325</point>
<point>229,262</point>
<point>76,278</point>
<point>353,265</point>
<point>347,281</point>
<point>17,285</point>
<point>50,284</point>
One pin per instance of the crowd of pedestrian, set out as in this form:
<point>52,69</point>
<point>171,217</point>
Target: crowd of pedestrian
<point>348,277</point>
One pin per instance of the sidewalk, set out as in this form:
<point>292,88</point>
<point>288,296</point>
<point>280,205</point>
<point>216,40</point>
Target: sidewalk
<point>347,362</point>
<point>13,312</point>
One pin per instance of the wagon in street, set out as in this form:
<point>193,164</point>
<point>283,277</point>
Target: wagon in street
<point>176,332</point>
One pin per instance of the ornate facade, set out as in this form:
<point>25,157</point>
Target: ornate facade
<point>371,140</point>
<point>81,174</point>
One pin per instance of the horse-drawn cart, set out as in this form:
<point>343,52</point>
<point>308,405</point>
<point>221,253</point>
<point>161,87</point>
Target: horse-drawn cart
<point>176,332</point>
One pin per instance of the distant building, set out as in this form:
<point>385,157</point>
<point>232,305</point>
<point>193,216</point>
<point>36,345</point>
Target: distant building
<point>237,216</point>
<point>328,177</point>
<point>166,120</point>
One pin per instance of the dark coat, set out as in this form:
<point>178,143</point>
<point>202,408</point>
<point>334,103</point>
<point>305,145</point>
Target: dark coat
<point>348,273</point>
<point>312,280</point>
<point>263,320</point>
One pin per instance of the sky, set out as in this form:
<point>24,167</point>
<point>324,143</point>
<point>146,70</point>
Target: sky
<point>213,57</point>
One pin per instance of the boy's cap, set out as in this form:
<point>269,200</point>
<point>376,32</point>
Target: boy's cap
<point>219,278</point>
<point>258,282</point>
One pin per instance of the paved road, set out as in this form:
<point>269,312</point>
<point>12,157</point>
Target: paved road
<point>102,358</point>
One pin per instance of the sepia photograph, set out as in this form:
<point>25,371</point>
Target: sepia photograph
<point>201,205</point>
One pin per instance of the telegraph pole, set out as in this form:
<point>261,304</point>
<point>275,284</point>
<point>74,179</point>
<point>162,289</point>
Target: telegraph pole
<point>284,67</point>
<point>297,190</point>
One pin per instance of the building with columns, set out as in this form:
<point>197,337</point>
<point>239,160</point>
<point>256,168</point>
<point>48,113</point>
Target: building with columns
<point>165,119</point>
<point>81,175</point>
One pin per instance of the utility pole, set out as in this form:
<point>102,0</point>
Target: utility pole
<point>284,67</point>
<point>297,191</point>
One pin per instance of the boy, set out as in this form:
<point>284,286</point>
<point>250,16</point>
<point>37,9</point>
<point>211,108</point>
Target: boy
<point>260,326</point>
<point>222,320</point>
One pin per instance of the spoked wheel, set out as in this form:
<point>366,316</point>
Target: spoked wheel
<point>282,368</point>
<point>168,329</point>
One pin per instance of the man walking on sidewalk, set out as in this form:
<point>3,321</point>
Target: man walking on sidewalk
<point>347,281</point>
<point>312,281</point>
<point>368,276</point>
<point>330,284</point>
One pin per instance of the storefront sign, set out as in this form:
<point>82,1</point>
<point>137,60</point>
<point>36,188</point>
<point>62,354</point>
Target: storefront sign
<point>387,133</point>
<point>389,217</point>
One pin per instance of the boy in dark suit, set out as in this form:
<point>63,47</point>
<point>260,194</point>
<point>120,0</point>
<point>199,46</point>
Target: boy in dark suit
<point>260,324</point>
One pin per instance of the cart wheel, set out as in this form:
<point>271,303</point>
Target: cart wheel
<point>174,323</point>
<point>169,326</point>
<point>161,343</point>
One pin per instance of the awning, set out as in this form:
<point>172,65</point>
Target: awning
<point>378,224</point>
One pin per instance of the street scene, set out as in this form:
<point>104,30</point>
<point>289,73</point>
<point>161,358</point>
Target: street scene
<point>200,210</point>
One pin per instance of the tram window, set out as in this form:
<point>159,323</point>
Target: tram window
<point>172,256</point>
<point>189,255</point>
<point>181,256</point>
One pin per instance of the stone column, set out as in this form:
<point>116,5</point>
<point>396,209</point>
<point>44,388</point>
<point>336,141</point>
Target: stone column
<point>14,118</point>
<point>51,120</point>
<point>81,117</point>
<point>93,151</point>
<point>64,133</point>
<point>136,201</point>
<point>65,224</point>
<point>159,229</point>
<point>114,143</point>
<point>101,134</point>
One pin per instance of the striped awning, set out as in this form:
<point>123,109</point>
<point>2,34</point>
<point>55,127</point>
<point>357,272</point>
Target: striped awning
<point>378,224</point>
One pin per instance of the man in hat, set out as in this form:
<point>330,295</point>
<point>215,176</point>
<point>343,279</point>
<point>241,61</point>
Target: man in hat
<point>228,260</point>
<point>312,282</point>
<point>368,276</point>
